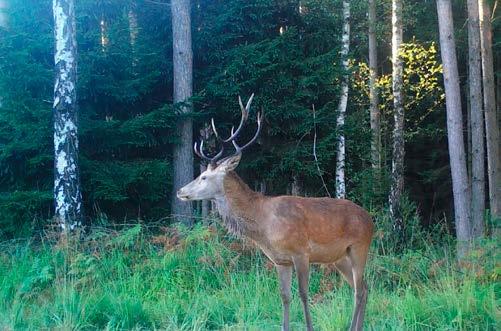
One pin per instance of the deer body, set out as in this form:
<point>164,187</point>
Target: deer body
<point>285,226</point>
<point>293,232</point>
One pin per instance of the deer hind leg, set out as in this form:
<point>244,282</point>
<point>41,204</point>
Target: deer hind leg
<point>344,267</point>
<point>302,266</point>
<point>357,254</point>
<point>285,276</point>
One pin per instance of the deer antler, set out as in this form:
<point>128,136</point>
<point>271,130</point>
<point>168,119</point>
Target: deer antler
<point>200,152</point>
<point>199,149</point>
<point>239,149</point>
<point>245,115</point>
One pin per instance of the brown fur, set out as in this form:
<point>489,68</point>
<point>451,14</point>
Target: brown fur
<point>295,231</point>
<point>284,226</point>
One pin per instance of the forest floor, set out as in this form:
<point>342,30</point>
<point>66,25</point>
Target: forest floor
<point>174,279</point>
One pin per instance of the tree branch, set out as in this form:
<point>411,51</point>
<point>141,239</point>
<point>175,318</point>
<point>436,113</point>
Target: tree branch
<point>315,152</point>
<point>157,2</point>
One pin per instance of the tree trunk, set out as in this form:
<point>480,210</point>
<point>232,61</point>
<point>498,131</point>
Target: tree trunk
<point>296,186</point>
<point>397,169</point>
<point>183,85</point>
<point>498,105</point>
<point>468,137</point>
<point>67,193</point>
<point>104,34</point>
<point>133,32</point>
<point>262,186</point>
<point>477,121</point>
<point>3,15</point>
<point>491,119</point>
<point>373,93</point>
<point>205,203</point>
<point>462,202</point>
<point>498,89</point>
<point>343,102</point>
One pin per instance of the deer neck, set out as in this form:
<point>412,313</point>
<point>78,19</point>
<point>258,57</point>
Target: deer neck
<point>240,207</point>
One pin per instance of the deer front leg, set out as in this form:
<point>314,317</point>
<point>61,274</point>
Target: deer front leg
<point>285,276</point>
<point>302,266</point>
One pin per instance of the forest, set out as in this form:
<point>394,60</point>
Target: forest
<point>109,108</point>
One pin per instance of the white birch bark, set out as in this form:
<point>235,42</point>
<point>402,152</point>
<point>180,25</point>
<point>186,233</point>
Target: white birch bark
<point>491,119</point>
<point>133,33</point>
<point>343,102</point>
<point>373,93</point>
<point>477,121</point>
<point>3,14</point>
<point>67,194</point>
<point>104,34</point>
<point>397,168</point>
<point>183,90</point>
<point>462,201</point>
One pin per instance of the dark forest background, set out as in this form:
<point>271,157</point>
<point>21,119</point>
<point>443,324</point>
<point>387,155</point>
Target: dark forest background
<point>291,61</point>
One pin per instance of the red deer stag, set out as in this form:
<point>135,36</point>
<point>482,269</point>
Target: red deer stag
<point>291,231</point>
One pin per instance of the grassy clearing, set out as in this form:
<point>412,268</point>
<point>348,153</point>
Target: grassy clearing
<point>200,280</point>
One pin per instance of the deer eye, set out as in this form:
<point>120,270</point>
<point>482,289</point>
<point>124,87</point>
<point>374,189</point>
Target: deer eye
<point>203,178</point>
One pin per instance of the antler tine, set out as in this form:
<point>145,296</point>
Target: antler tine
<point>239,149</point>
<point>201,155</point>
<point>245,115</point>
<point>218,155</point>
<point>200,152</point>
<point>214,129</point>
<point>247,107</point>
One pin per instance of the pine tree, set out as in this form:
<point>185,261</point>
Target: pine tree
<point>491,119</point>
<point>477,120</point>
<point>462,200</point>
<point>183,91</point>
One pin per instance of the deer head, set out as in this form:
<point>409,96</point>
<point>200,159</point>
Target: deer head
<point>209,185</point>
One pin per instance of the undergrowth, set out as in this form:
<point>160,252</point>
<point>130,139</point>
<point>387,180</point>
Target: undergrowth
<point>199,279</point>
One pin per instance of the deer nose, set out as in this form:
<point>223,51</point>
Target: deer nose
<point>181,195</point>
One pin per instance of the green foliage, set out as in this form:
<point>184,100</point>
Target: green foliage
<point>179,279</point>
<point>20,205</point>
<point>289,59</point>
<point>125,123</point>
<point>25,117</point>
<point>427,169</point>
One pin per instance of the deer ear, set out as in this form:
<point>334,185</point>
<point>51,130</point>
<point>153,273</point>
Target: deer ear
<point>229,163</point>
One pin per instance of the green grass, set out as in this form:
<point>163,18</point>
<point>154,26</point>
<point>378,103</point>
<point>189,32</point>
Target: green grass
<point>201,280</point>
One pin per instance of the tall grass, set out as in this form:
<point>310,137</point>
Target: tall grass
<point>201,280</point>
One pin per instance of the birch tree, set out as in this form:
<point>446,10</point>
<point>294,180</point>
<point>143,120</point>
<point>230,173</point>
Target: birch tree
<point>104,33</point>
<point>397,168</point>
<point>477,120</point>
<point>373,93</point>
<point>133,33</point>
<point>343,102</point>
<point>491,120</point>
<point>183,89</point>
<point>67,194</point>
<point>460,188</point>
<point>3,14</point>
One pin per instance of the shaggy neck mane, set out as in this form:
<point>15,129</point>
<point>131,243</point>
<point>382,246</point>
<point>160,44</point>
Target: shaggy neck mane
<point>239,206</point>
